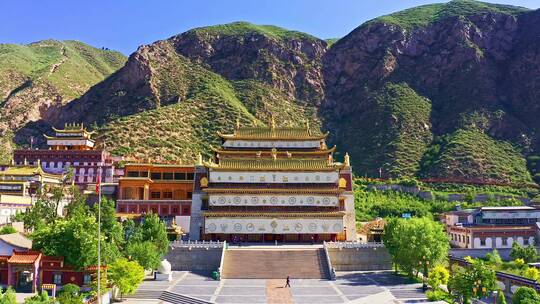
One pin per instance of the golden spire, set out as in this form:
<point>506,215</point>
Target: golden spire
<point>237,123</point>
<point>347,161</point>
<point>272,123</point>
<point>199,159</point>
<point>324,146</point>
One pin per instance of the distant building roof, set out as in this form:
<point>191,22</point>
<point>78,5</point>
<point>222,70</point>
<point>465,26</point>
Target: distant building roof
<point>29,257</point>
<point>508,208</point>
<point>17,239</point>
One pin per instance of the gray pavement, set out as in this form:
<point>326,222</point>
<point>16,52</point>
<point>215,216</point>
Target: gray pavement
<point>349,287</point>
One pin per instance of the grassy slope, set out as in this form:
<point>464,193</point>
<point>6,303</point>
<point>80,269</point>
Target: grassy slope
<point>426,14</point>
<point>48,70</point>
<point>393,132</point>
<point>242,28</point>
<point>81,65</point>
<point>209,102</point>
<point>473,154</point>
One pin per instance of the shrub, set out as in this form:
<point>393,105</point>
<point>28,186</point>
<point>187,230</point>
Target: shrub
<point>7,230</point>
<point>438,276</point>
<point>436,295</point>
<point>525,295</point>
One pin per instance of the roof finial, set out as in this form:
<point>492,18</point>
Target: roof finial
<point>307,124</point>
<point>273,122</point>
<point>347,160</point>
<point>199,159</point>
<point>237,123</point>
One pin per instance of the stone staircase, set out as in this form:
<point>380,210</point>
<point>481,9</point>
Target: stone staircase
<point>175,298</point>
<point>263,263</point>
<point>145,294</point>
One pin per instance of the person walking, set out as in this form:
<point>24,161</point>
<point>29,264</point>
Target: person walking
<point>288,282</point>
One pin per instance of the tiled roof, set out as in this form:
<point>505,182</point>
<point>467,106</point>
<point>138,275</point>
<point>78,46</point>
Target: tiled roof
<point>310,164</point>
<point>266,133</point>
<point>29,257</point>
<point>17,239</point>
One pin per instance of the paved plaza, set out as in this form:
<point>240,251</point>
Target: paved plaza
<point>349,287</point>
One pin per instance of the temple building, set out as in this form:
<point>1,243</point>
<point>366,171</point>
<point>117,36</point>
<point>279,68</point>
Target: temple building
<point>269,184</point>
<point>493,227</point>
<point>163,189</point>
<point>71,147</point>
<point>20,186</point>
<point>30,271</point>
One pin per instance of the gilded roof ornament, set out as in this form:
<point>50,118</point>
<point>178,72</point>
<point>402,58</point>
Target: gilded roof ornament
<point>273,123</point>
<point>199,159</point>
<point>347,161</point>
<point>237,123</point>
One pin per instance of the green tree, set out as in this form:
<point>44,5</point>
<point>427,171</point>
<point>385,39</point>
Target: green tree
<point>474,281</point>
<point>501,299</point>
<point>8,297</point>
<point>416,244</point>
<point>525,295</point>
<point>494,258</point>
<point>532,273</point>
<point>154,230</point>
<point>75,239</point>
<point>145,253</point>
<point>40,298</point>
<point>111,230</point>
<point>7,230</point>
<point>438,276</point>
<point>528,254</point>
<point>126,275</point>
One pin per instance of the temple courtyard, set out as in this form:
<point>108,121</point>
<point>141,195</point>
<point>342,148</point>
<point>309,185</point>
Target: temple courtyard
<point>349,287</point>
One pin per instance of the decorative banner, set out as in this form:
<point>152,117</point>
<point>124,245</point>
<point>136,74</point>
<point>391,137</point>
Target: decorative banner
<point>273,177</point>
<point>272,144</point>
<point>273,200</point>
<point>272,226</point>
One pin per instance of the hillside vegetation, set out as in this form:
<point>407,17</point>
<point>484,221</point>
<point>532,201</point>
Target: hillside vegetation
<point>445,90</point>
<point>38,78</point>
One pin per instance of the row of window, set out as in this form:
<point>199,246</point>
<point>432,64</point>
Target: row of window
<point>57,279</point>
<point>163,175</point>
<point>165,210</point>
<point>516,221</point>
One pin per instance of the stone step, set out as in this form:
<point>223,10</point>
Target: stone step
<point>275,264</point>
<point>175,298</point>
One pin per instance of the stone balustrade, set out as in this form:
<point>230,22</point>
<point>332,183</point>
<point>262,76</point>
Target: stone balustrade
<point>353,245</point>
<point>197,244</point>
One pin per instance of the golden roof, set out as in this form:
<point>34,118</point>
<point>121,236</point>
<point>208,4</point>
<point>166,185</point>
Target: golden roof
<point>273,133</point>
<point>279,152</point>
<point>335,214</point>
<point>335,191</point>
<point>275,164</point>
<point>71,128</point>
<point>26,170</point>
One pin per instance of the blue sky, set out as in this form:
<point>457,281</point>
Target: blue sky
<point>125,24</point>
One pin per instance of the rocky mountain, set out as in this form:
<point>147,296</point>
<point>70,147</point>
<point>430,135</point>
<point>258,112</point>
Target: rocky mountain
<point>444,90</point>
<point>36,80</point>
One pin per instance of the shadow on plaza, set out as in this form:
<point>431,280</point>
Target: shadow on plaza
<point>387,278</point>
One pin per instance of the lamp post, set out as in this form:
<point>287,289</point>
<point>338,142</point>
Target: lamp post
<point>478,288</point>
<point>495,296</point>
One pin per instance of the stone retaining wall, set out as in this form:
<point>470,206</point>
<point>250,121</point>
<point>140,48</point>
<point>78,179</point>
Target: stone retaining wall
<point>354,259</point>
<point>194,259</point>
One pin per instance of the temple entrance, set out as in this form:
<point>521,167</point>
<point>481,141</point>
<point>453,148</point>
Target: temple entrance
<point>24,281</point>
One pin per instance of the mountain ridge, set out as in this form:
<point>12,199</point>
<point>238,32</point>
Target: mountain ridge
<point>401,98</point>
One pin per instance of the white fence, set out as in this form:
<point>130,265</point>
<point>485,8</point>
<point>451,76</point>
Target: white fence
<point>197,244</point>
<point>353,245</point>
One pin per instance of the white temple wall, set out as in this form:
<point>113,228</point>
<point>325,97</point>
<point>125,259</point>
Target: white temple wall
<point>272,226</point>
<point>273,200</point>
